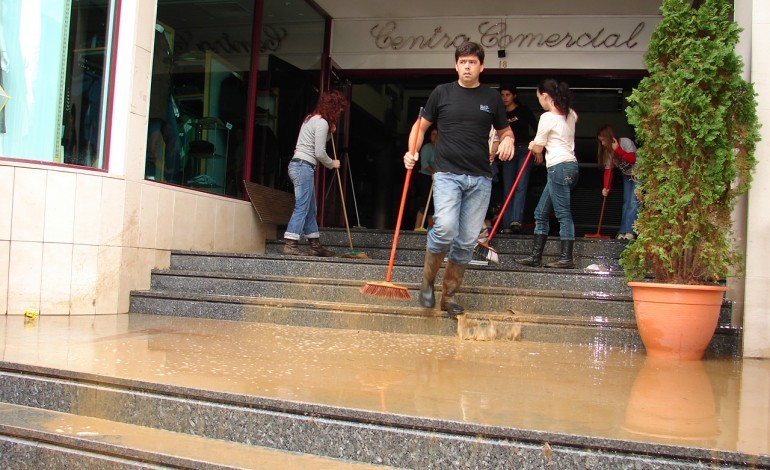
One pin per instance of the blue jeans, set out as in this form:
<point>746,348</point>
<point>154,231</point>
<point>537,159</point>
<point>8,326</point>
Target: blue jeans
<point>515,210</point>
<point>562,178</point>
<point>630,206</point>
<point>303,219</point>
<point>460,203</point>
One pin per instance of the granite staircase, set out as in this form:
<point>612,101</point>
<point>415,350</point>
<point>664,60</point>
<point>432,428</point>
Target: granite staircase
<point>57,418</point>
<point>589,305</point>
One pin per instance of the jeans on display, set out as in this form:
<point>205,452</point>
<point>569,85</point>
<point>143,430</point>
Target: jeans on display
<point>562,178</point>
<point>303,219</point>
<point>515,210</point>
<point>460,203</point>
<point>630,205</point>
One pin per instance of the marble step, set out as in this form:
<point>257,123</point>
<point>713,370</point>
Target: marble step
<point>507,325</point>
<point>369,270</point>
<point>232,383</point>
<point>37,438</point>
<point>600,306</point>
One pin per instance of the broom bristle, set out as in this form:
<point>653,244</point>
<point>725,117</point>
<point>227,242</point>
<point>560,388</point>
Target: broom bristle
<point>485,251</point>
<point>385,290</point>
<point>356,254</point>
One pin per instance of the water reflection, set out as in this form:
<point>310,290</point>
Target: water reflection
<point>672,399</point>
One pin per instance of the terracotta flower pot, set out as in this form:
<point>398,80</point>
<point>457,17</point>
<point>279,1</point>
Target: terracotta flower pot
<point>676,321</point>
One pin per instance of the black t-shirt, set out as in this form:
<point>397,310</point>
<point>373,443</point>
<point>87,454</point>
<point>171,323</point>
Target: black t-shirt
<point>521,119</point>
<point>464,117</point>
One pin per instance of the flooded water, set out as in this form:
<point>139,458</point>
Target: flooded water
<point>596,391</point>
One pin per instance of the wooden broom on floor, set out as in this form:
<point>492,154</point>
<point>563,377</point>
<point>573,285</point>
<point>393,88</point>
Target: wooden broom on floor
<point>386,288</point>
<point>352,253</point>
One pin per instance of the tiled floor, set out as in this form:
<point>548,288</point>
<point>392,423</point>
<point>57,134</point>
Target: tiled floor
<point>613,394</point>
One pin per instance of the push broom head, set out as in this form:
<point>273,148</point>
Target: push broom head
<point>386,290</point>
<point>355,254</point>
<point>483,250</point>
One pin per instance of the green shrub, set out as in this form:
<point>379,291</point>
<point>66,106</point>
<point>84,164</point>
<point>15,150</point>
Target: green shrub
<point>696,122</point>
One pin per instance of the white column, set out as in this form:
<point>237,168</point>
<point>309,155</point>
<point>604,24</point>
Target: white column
<point>756,315</point>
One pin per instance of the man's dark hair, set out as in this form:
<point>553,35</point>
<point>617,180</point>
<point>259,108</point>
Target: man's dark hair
<point>508,86</point>
<point>470,48</point>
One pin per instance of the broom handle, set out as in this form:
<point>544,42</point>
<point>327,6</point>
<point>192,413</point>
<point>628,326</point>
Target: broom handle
<point>601,216</point>
<point>412,150</point>
<point>427,204</point>
<point>510,195</point>
<point>342,196</point>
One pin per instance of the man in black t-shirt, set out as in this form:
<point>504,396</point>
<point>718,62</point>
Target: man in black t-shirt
<point>521,120</point>
<point>464,112</point>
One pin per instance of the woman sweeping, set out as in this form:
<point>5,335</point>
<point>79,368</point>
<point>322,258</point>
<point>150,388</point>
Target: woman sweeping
<point>311,149</point>
<point>555,135</point>
<point>620,153</point>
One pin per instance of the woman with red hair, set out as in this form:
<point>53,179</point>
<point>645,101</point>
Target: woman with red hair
<point>311,149</point>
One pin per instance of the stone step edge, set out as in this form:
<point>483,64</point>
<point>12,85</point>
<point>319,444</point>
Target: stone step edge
<point>412,286</point>
<point>510,316</point>
<point>380,262</point>
<point>436,427</point>
<point>280,302</point>
<point>146,445</point>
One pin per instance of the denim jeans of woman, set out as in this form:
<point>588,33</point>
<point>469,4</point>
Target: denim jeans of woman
<point>460,203</point>
<point>630,206</point>
<point>562,178</point>
<point>303,219</point>
<point>511,169</point>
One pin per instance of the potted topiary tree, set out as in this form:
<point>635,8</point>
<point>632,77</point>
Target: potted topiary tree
<point>695,118</point>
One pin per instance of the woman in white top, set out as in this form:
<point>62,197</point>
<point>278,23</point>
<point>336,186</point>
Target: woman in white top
<point>555,135</point>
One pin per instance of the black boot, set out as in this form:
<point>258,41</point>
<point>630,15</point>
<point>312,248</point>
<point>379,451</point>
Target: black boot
<point>318,249</point>
<point>453,279</point>
<point>536,258</point>
<point>291,247</point>
<point>565,259</point>
<point>432,265</point>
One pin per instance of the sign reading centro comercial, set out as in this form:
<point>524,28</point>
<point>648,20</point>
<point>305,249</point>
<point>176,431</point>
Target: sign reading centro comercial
<point>552,42</point>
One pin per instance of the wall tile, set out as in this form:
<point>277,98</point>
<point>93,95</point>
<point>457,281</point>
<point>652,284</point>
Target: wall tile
<point>140,101</point>
<point>5,254</point>
<point>205,226</point>
<point>29,193</point>
<point>84,279</point>
<point>225,231</point>
<point>88,196</point>
<point>60,207</point>
<point>6,201</point>
<point>183,237</point>
<point>112,212</point>
<point>56,279</point>
<point>131,213</point>
<point>165,227</point>
<point>110,267</point>
<point>148,216</point>
<point>24,274</point>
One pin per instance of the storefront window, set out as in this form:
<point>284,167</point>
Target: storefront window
<point>55,67</point>
<point>198,116</point>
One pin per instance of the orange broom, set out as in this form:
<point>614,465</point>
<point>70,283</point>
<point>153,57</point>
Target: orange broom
<point>598,233</point>
<point>483,250</point>
<point>387,289</point>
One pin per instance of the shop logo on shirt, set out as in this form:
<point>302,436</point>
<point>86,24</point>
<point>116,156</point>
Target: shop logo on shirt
<point>484,107</point>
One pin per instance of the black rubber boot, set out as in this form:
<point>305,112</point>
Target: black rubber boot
<point>453,279</point>
<point>291,248</point>
<point>318,249</point>
<point>536,258</point>
<point>432,265</point>
<point>565,259</point>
